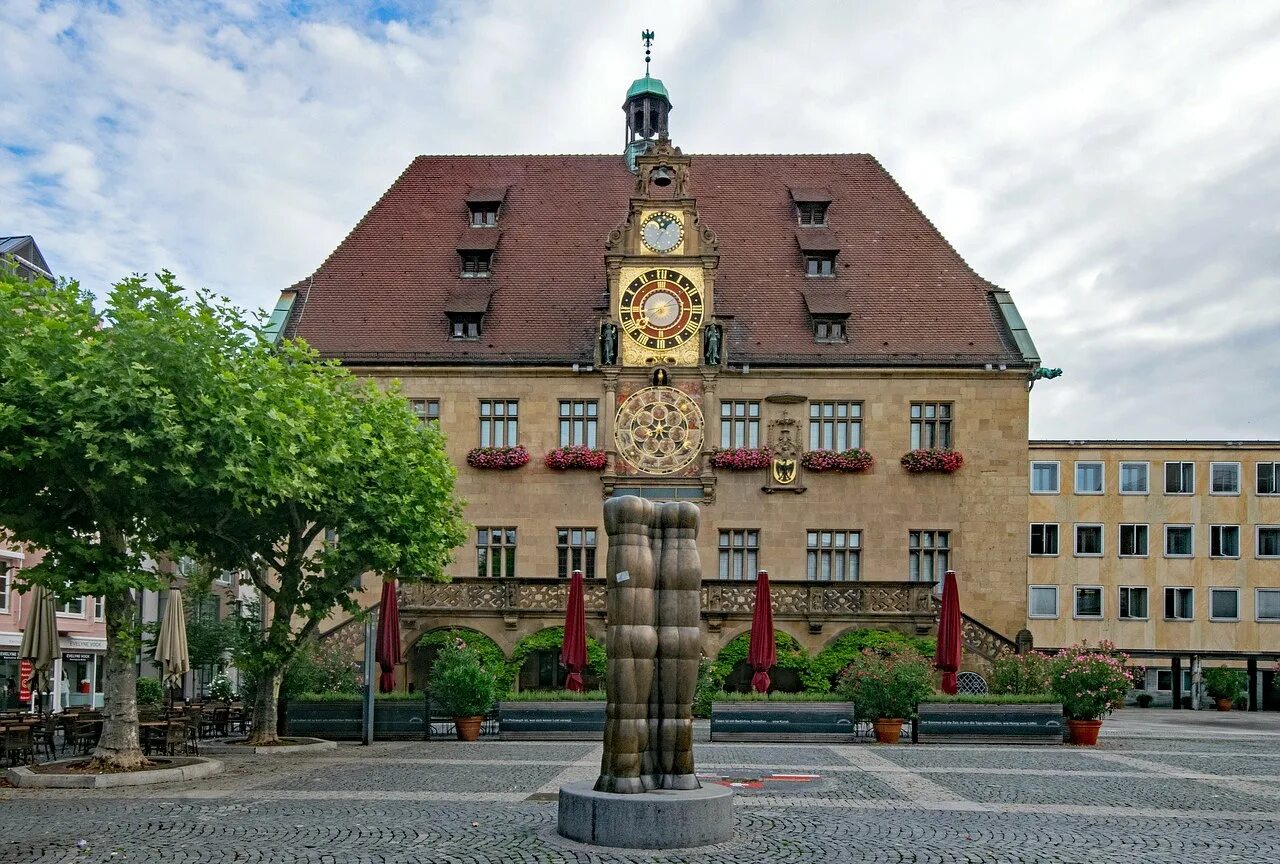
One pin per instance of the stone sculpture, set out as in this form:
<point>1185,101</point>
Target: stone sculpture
<point>654,593</point>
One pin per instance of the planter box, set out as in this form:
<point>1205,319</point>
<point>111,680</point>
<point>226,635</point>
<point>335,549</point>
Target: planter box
<point>814,722</point>
<point>551,721</point>
<point>960,723</point>
<point>340,720</point>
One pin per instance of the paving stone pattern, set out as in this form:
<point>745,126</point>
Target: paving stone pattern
<point>445,801</point>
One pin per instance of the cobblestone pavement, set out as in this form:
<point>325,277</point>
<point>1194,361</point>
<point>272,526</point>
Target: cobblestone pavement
<point>1131,799</point>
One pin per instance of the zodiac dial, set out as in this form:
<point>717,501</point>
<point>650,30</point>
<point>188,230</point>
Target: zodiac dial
<point>661,309</point>
<point>659,430</point>
<point>661,232</point>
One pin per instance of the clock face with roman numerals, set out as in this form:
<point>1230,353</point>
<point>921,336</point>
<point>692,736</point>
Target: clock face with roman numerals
<point>661,309</point>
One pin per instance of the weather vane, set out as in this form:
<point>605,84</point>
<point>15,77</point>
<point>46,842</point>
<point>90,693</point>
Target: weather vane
<point>647,36</point>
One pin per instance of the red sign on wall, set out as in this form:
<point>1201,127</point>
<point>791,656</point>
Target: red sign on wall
<point>24,680</point>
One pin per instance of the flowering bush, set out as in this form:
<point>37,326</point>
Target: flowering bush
<point>1023,674</point>
<point>843,461</point>
<point>1090,682</point>
<point>498,458</point>
<point>576,456</point>
<point>886,686</point>
<point>940,461</point>
<point>741,458</point>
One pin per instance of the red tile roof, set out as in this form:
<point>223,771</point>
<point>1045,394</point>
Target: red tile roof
<point>381,296</point>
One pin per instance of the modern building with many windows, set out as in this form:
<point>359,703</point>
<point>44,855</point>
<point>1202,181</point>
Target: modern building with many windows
<point>773,337</point>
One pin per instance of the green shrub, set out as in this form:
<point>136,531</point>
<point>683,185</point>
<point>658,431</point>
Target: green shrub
<point>995,698</point>
<point>396,696</point>
<point>790,656</point>
<point>150,692</point>
<point>1224,683</point>
<point>1090,682</point>
<point>461,683</point>
<point>886,685</point>
<point>555,696</point>
<point>825,667</point>
<point>776,696</point>
<point>1145,700</point>
<point>220,689</point>
<point>550,639</point>
<point>1023,674</point>
<point>705,691</point>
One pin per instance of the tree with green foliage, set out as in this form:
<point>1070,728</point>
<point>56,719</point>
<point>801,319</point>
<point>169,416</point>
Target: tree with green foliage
<point>319,478</point>
<point>98,451</point>
<point>791,656</point>
<point>825,668</point>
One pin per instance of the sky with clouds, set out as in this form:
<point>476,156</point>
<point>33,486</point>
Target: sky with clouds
<point>1115,165</point>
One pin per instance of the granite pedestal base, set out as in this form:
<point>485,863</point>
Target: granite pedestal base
<point>647,820</point>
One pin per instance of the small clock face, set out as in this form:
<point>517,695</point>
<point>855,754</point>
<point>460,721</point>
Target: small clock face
<point>662,232</point>
<point>661,309</point>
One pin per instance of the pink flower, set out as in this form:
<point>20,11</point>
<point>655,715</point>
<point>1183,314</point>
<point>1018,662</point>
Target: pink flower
<point>498,458</point>
<point>842,461</point>
<point>937,461</point>
<point>576,456</point>
<point>741,458</point>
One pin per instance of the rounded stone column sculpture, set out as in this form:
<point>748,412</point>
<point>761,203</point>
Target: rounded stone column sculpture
<point>648,795</point>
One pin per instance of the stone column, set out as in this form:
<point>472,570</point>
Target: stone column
<point>1175,680</point>
<point>609,410</point>
<point>1251,667</point>
<point>1197,682</point>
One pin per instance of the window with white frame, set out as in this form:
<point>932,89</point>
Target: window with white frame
<point>578,421</point>
<point>740,424</point>
<point>99,608</point>
<point>928,555</point>
<point>1135,478</point>
<point>6,582</point>
<point>1044,538</point>
<point>496,552</point>
<point>1044,478</point>
<point>72,608</point>
<point>1134,539</point>
<point>739,553</point>
<point>1179,604</point>
<point>1089,478</point>
<point>1088,540</point>
<point>1088,601</point>
<point>1268,475</point>
<point>1042,601</point>
<point>499,422</point>
<point>1224,541</point>
<point>1266,604</point>
<point>576,550</point>
<point>426,410</point>
<point>1133,602</point>
<point>1164,680</point>
<point>1179,478</point>
<point>1268,541</point>
<point>1224,478</point>
<point>832,555</point>
<point>930,425</point>
<point>1179,541</point>
<point>1224,604</point>
<point>835,425</point>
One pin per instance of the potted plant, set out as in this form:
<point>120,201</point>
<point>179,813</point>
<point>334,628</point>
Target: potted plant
<point>1145,700</point>
<point>464,687</point>
<point>887,688</point>
<point>1225,686</point>
<point>1090,683</point>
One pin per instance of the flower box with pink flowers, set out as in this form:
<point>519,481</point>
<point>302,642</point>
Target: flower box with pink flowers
<point>576,457</point>
<point>837,461</point>
<point>933,461</point>
<point>498,458</point>
<point>741,458</point>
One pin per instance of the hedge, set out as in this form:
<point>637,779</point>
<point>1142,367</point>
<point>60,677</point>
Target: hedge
<point>490,654</point>
<point>549,640</point>
<point>823,669</point>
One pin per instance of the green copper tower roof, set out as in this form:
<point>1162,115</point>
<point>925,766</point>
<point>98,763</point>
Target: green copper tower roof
<point>649,85</point>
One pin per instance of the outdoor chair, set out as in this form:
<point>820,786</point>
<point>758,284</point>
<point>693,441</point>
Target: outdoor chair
<point>192,734</point>
<point>215,724</point>
<point>83,735</point>
<point>46,738</point>
<point>19,746</point>
<point>173,736</point>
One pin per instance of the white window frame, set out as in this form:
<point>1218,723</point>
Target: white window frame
<point>1120,606</point>
<point>7,568</point>
<point>1257,615</point>
<point>1075,540</point>
<point>1275,470</point>
<point>1257,541</point>
<point>1165,603</point>
<point>1031,589</point>
<point>1057,540</point>
<point>1165,476</point>
<point>99,608</point>
<point>1075,602</point>
<point>1191,529</point>
<point>1213,591</point>
<point>1102,476</point>
<point>1239,472</point>
<point>1057,477</point>
<point>1120,478</point>
<point>77,616</point>
<point>1239,542</point>
<point>1120,553</point>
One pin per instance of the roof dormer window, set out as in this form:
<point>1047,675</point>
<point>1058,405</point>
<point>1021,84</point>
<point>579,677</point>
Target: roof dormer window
<point>828,328</point>
<point>812,213</point>
<point>476,263</point>
<point>484,214</point>
<point>819,264</point>
<point>465,325</point>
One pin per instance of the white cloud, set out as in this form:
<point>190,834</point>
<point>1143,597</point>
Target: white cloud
<point>1113,165</point>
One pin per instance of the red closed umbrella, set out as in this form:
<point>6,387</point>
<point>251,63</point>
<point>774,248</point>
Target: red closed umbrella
<point>573,650</point>
<point>388,649</point>
<point>947,658</point>
<point>762,654</point>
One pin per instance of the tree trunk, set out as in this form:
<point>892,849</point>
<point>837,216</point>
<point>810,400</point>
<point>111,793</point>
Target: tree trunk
<point>264,708</point>
<point>118,747</point>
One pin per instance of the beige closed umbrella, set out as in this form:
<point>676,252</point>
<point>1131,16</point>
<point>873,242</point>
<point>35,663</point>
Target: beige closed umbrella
<point>171,644</point>
<point>40,637</point>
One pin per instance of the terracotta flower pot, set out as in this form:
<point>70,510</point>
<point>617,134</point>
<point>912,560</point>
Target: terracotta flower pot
<point>1084,732</point>
<point>888,730</point>
<point>468,727</point>
<point>1223,704</point>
